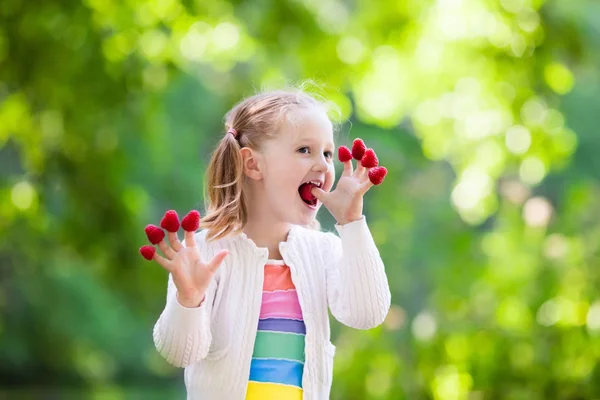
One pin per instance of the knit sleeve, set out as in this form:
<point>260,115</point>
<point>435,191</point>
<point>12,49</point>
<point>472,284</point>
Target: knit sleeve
<point>183,335</point>
<point>357,287</point>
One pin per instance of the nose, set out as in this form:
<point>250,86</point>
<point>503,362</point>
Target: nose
<point>321,164</point>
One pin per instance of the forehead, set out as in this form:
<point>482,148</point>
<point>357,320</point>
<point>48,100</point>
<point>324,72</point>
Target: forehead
<point>307,124</point>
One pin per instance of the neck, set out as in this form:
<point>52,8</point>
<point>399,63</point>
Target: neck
<point>265,231</point>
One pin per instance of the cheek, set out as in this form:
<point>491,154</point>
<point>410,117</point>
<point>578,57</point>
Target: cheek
<point>329,178</point>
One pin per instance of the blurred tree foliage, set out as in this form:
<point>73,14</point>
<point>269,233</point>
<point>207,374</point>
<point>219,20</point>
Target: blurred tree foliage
<point>484,111</point>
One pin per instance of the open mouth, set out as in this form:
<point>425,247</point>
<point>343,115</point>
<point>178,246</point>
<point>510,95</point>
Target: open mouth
<point>305,193</point>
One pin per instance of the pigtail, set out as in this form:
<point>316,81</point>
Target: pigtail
<point>226,208</point>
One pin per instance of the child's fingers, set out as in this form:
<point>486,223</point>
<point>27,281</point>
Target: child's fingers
<point>359,172</point>
<point>365,186</point>
<point>163,262</point>
<point>149,253</point>
<point>190,241</point>
<point>215,263</point>
<point>348,169</point>
<point>166,250</point>
<point>174,241</point>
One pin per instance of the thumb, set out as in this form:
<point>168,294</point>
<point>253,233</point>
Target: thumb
<point>215,263</point>
<point>320,194</point>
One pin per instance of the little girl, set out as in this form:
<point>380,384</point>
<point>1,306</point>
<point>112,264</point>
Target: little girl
<point>248,296</point>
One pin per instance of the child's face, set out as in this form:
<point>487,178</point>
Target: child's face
<point>303,151</point>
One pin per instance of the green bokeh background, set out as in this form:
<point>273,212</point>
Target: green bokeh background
<point>485,113</point>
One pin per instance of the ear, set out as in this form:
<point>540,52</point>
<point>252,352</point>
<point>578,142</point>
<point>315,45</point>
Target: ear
<point>250,163</point>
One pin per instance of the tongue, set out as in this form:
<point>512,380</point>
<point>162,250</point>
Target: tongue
<point>305,193</point>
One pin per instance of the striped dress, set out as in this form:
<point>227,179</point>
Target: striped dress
<point>278,357</point>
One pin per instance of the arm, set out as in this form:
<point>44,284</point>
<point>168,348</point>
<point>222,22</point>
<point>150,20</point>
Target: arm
<point>182,335</point>
<point>357,288</point>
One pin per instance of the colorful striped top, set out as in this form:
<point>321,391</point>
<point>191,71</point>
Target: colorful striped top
<point>278,357</point>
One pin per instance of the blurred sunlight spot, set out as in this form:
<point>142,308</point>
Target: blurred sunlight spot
<point>155,77</point>
<point>153,43</point>
<point>452,24</point>
<point>513,6</point>
<point>193,44</point>
<point>501,35</point>
<point>547,314</point>
<point>537,212</point>
<point>107,392</point>
<point>514,191</point>
<point>534,112</point>
<point>532,170</point>
<point>226,36</point>
<point>593,318</point>
<point>424,326</point>
<point>22,195</point>
<point>118,46</point>
<point>554,121</point>
<point>565,142</point>
<point>383,90</point>
<point>332,15</point>
<point>518,139</point>
<point>429,54</point>
<point>92,364</point>
<point>395,319</point>
<point>136,200</point>
<point>450,384</point>
<point>490,157</point>
<point>350,50</point>
<point>556,246</point>
<point>528,20</point>
<point>378,381</point>
<point>518,45</point>
<point>166,9</point>
<point>521,355</point>
<point>479,124</point>
<point>52,128</point>
<point>457,348</point>
<point>513,314</point>
<point>157,364</point>
<point>463,105</point>
<point>559,78</point>
<point>474,185</point>
<point>428,112</point>
<point>506,90</point>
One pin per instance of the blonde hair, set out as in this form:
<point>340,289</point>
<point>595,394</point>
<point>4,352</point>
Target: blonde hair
<point>255,120</point>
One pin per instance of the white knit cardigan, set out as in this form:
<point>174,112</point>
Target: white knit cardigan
<point>214,342</point>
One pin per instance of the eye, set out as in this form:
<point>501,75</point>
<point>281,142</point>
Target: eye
<point>328,154</point>
<point>304,150</point>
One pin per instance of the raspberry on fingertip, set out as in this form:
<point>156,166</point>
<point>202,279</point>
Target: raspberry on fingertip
<point>344,154</point>
<point>191,222</point>
<point>170,221</point>
<point>154,233</point>
<point>148,252</point>
<point>369,159</point>
<point>377,175</point>
<point>358,149</point>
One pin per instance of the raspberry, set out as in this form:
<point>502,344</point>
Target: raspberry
<point>170,221</point>
<point>358,149</point>
<point>191,222</point>
<point>377,175</point>
<point>306,193</point>
<point>154,233</point>
<point>148,252</point>
<point>369,160</point>
<point>344,154</point>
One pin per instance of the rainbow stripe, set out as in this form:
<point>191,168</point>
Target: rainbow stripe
<point>278,357</point>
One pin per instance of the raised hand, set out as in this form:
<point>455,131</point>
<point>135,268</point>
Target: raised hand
<point>191,274</point>
<point>345,203</point>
